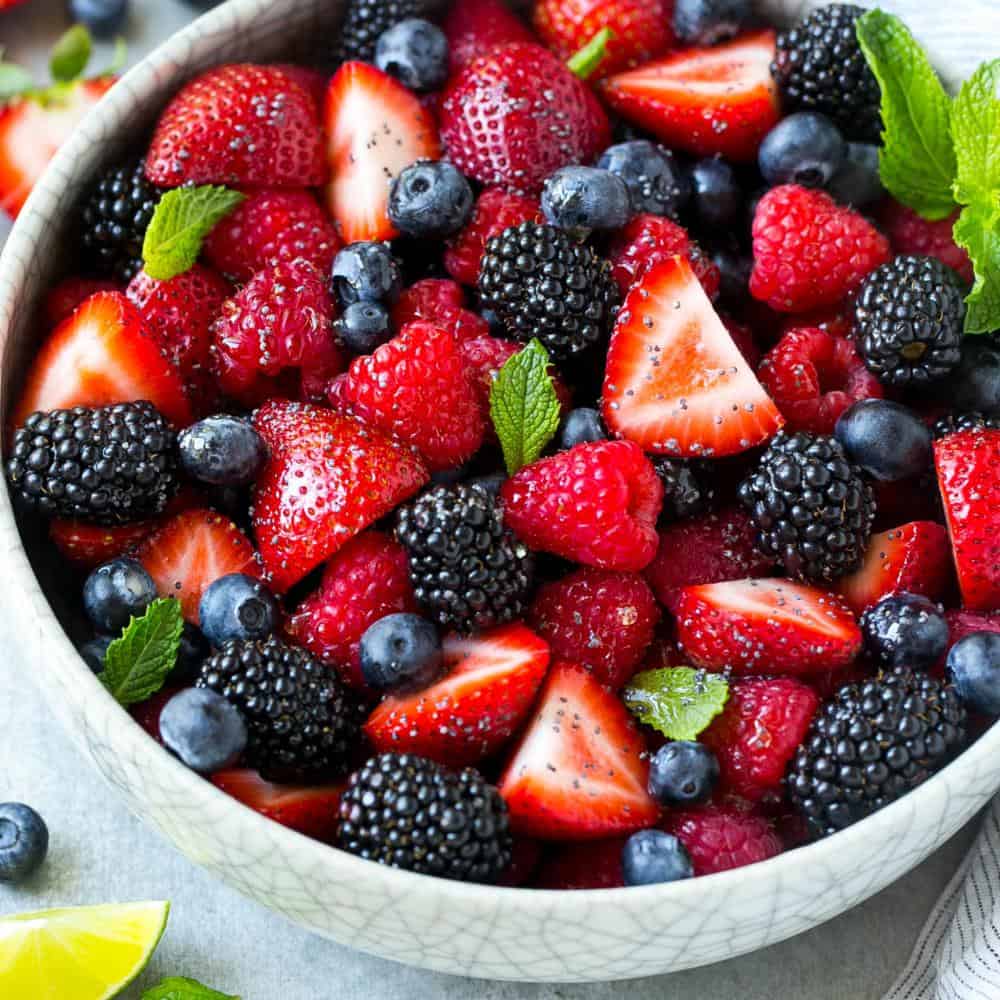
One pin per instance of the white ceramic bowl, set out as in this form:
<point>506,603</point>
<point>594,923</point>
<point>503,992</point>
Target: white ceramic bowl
<point>465,929</point>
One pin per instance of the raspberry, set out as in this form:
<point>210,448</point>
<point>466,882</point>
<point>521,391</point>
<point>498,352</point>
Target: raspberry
<point>914,236</point>
<point>837,320</point>
<point>759,731</point>
<point>596,504</point>
<point>366,580</point>
<point>597,618</point>
<point>814,377</point>
<point>442,303</point>
<point>495,211</point>
<point>809,251</point>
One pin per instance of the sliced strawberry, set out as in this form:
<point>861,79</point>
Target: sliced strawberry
<point>193,550</point>
<point>913,557</point>
<point>87,546</point>
<point>103,354</point>
<point>675,382</point>
<point>595,864</point>
<point>375,129</point>
<point>473,27</point>
<point>475,709</point>
<point>64,300</point>
<point>770,626</point>
<point>578,772</point>
<point>704,100</point>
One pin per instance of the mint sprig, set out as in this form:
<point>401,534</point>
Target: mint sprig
<point>182,220</point>
<point>678,702</point>
<point>975,129</point>
<point>524,406</point>
<point>136,665</point>
<point>978,231</point>
<point>70,55</point>
<point>179,988</point>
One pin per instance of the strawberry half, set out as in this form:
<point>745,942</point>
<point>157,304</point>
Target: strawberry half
<point>675,382</point>
<point>719,100</point>
<point>578,772</point>
<point>375,128</point>
<point>475,709</point>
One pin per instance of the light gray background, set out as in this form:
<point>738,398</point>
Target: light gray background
<point>101,853</point>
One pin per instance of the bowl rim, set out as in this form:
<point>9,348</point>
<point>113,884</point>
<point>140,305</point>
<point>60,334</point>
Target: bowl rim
<point>171,57</point>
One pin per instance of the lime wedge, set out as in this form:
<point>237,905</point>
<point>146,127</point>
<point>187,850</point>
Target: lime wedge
<point>83,953</point>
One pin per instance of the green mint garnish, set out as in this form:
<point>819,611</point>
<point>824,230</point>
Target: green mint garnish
<point>978,231</point>
<point>585,63</point>
<point>136,665</point>
<point>524,406</point>
<point>70,55</point>
<point>182,220</point>
<point>177,988</point>
<point>14,81</point>
<point>678,702</point>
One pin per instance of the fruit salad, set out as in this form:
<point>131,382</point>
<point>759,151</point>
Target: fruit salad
<point>554,449</point>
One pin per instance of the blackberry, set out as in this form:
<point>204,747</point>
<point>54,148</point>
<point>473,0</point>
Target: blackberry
<point>468,571</point>
<point>683,496</point>
<point>955,422</point>
<point>409,812</point>
<point>113,221</point>
<point>873,742</point>
<point>813,510</point>
<point>108,465</point>
<point>909,321</point>
<point>365,21</point>
<point>302,723</point>
<point>819,66</point>
<point>541,283</point>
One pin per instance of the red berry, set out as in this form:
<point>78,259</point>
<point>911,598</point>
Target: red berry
<point>87,546</point>
<point>595,864</point>
<point>441,302</point>
<point>63,300</point>
<point>910,233</point>
<point>473,27</point>
<point>743,338</point>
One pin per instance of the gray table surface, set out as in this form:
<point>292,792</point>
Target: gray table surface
<point>102,853</point>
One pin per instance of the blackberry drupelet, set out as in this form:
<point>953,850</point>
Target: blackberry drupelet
<point>819,66</point>
<point>541,283</point>
<point>110,465</point>
<point>113,221</point>
<point>409,812</point>
<point>813,510</point>
<point>301,721</point>
<point>873,742</point>
<point>468,571</point>
<point>955,422</point>
<point>909,321</point>
<point>366,20</point>
<point>683,495</point>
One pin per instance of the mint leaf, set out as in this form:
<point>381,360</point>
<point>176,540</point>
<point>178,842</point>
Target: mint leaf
<point>524,406</point>
<point>978,231</point>
<point>975,129</point>
<point>70,55</point>
<point>917,161</point>
<point>136,665</point>
<point>182,220</point>
<point>678,702</point>
<point>14,81</point>
<point>178,988</point>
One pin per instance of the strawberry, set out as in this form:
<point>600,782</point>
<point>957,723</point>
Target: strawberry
<point>913,558</point>
<point>594,864</point>
<point>910,233</point>
<point>87,546</point>
<point>968,469</point>
<point>704,100</point>
<point>312,81</point>
<point>313,810</point>
<point>442,303</point>
<point>758,731</point>
<point>768,626</point>
<point>272,227</point>
<point>710,549</point>
<point>104,353</point>
<point>596,504</point>
<point>328,478</point>
<point>473,27</point>
<point>375,129</point>
<point>238,124</point>
<point>675,383</point>
<point>578,771</point>
<point>191,551</point>
<point>418,387</point>
<point>475,708</point>
<point>63,300</point>
<point>366,580</point>
<point>641,29</point>
<point>512,116</point>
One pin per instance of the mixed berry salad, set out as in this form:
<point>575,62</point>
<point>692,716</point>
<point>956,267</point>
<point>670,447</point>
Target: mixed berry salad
<point>555,451</point>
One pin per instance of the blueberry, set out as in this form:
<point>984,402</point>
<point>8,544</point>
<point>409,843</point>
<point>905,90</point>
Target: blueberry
<point>237,607</point>
<point>975,383</point>
<point>363,327</point>
<point>734,273</point>
<point>887,440</point>
<point>652,856</point>
<point>580,426</point>
<point>804,148</point>
<point>973,666</point>
<point>905,630</point>
<point>366,272</point>
<point>716,194</point>
<point>194,650</point>
<point>708,22</point>
<point>415,52</point>
<point>103,18</point>
<point>653,177</point>
<point>857,182</point>
<point>430,200</point>
<point>94,650</point>
<point>24,841</point>
<point>203,729</point>
<point>400,651</point>
<point>683,774</point>
<point>490,484</point>
<point>222,451</point>
<point>115,592</point>
<point>581,199</point>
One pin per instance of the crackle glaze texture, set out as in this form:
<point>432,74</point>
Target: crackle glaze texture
<point>470,930</point>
